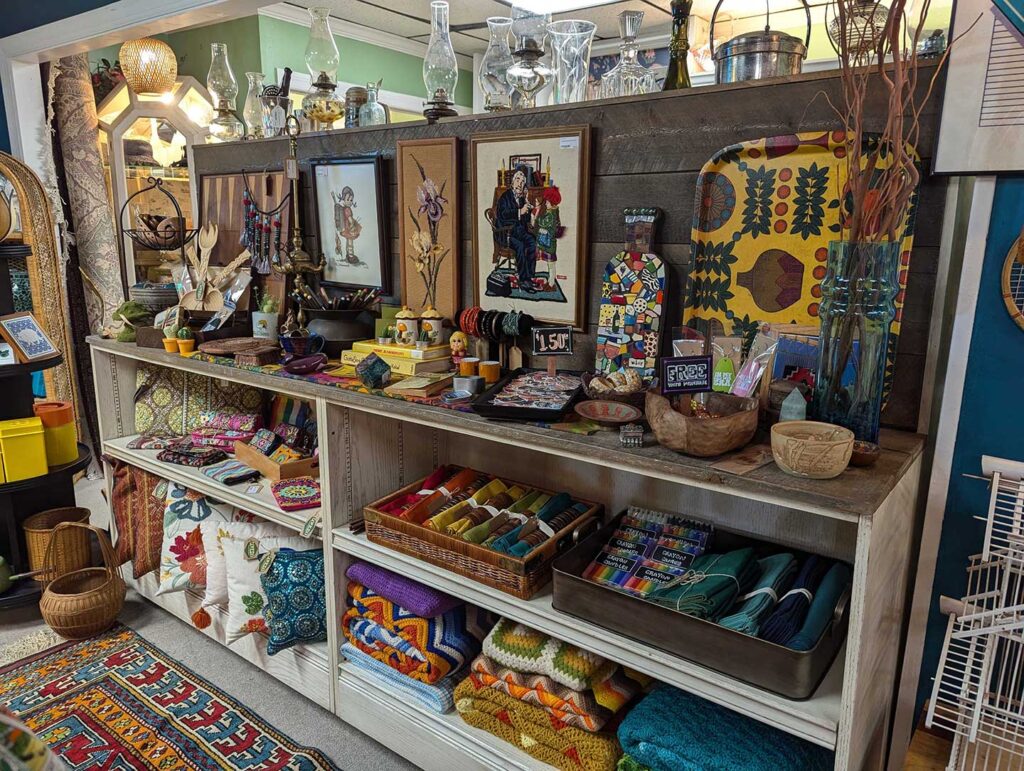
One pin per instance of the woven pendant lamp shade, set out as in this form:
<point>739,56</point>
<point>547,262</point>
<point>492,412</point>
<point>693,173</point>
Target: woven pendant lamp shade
<point>149,65</point>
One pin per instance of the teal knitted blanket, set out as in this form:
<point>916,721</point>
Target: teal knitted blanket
<point>822,607</point>
<point>671,730</point>
<point>711,585</point>
<point>777,572</point>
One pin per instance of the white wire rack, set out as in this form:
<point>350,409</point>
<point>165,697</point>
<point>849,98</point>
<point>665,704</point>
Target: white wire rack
<point>979,690</point>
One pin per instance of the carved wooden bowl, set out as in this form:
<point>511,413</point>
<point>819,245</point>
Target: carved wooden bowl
<point>806,448</point>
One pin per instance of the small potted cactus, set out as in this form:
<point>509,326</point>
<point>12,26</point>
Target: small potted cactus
<point>171,338</point>
<point>186,341</point>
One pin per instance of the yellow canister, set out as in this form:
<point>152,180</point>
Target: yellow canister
<point>59,431</point>
<point>23,448</point>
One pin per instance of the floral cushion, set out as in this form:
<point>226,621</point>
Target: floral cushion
<point>182,556</point>
<point>296,610</point>
<point>214,535</point>
<point>246,598</point>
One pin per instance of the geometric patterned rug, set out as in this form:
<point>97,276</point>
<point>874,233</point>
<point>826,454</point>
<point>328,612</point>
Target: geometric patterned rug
<point>118,703</point>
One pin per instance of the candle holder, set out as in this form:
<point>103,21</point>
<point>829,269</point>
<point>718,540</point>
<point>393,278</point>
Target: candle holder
<point>440,68</point>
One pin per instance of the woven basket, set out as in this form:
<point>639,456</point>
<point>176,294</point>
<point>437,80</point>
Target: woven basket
<point>679,430</point>
<point>71,547</point>
<point>86,602</point>
<point>635,398</point>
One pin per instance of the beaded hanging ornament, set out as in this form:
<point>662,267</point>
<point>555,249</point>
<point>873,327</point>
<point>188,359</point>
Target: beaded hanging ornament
<point>261,233</point>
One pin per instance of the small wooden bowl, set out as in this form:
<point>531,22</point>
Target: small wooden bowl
<point>635,398</point>
<point>679,430</point>
<point>608,414</point>
<point>806,448</point>
<point>864,454</point>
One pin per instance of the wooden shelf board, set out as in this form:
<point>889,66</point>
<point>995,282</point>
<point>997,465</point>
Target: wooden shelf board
<point>388,716</point>
<point>816,719</point>
<point>262,504</point>
<point>857,492</point>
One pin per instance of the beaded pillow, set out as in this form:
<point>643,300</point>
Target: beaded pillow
<point>296,610</point>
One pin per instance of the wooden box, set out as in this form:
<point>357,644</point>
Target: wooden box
<point>250,456</point>
<point>149,337</point>
<point>521,577</point>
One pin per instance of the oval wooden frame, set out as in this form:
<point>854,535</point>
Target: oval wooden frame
<point>1016,254</point>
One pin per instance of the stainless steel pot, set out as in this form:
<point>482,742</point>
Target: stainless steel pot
<point>756,55</point>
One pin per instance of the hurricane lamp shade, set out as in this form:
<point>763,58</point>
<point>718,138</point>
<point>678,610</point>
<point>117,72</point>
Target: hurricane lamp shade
<point>149,65</point>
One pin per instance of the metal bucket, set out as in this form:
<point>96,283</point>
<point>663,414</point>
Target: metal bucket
<point>757,55</point>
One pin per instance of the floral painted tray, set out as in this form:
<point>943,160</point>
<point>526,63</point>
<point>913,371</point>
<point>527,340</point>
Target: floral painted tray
<point>764,215</point>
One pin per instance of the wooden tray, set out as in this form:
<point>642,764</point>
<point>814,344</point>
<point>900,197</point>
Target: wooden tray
<point>520,577</point>
<point>250,456</point>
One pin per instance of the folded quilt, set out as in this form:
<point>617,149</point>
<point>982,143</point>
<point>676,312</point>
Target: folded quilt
<point>413,596</point>
<point>426,649</point>
<point>437,698</point>
<point>671,730</point>
<point>524,649</point>
<point>532,729</point>
<point>590,709</point>
<point>777,572</point>
<point>711,585</point>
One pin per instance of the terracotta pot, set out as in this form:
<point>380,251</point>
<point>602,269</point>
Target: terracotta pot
<point>185,347</point>
<point>171,344</point>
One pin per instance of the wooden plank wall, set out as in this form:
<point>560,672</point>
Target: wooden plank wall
<point>646,151</point>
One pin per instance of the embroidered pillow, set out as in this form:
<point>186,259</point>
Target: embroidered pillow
<point>296,610</point>
<point>214,536</point>
<point>182,557</point>
<point>246,598</point>
<point>137,506</point>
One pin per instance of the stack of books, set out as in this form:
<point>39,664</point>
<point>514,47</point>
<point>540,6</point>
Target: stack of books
<point>403,360</point>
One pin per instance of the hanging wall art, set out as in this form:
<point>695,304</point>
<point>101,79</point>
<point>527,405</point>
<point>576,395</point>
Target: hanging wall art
<point>530,222</point>
<point>428,224</point>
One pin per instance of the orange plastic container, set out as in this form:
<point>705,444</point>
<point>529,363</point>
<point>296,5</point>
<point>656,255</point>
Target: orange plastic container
<point>59,432</point>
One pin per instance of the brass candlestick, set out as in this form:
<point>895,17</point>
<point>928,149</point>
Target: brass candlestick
<point>296,261</point>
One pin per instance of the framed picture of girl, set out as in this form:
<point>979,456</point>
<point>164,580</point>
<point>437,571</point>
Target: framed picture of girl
<point>348,197</point>
<point>530,222</point>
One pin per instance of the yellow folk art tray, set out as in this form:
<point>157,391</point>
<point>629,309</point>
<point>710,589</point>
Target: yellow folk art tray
<point>765,213</point>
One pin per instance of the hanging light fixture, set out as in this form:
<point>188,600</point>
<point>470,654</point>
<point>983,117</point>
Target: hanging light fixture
<point>149,65</point>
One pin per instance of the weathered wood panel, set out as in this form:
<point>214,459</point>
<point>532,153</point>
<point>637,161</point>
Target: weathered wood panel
<point>645,151</point>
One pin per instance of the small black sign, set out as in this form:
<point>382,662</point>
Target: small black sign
<point>552,341</point>
<point>685,374</point>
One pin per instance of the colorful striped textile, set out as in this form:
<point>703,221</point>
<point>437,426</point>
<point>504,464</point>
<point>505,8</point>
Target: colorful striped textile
<point>524,649</point>
<point>426,649</point>
<point>530,728</point>
<point>437,698</point>
<point>590,709</point>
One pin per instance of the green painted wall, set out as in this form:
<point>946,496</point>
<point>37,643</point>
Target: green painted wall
<point>193,49</point>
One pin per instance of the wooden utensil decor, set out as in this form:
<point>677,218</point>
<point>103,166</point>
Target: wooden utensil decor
<point>207,293</point>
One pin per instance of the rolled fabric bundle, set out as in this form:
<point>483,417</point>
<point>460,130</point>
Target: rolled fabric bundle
<point>671,730</point>
<point>822,608</point>
<point>555,505</point>
<point>711,585</point>
<point>539,536</point>
<point>788,616</point>
<point>416,598</point>
<point>777,572</point>
<point>442,519</point>
<point>511,524</point>
<point>481,532</point>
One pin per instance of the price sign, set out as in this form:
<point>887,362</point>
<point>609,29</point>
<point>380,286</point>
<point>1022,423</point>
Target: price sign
<point>552,341</point>
<point>685,374</point>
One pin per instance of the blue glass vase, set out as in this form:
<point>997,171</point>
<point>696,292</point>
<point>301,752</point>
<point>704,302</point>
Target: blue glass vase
<point>858,305</point>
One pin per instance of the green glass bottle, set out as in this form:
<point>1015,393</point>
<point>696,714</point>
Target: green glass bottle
<point>678,74</point>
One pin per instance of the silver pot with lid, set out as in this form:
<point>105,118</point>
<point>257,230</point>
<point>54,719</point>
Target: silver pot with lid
<point>766,53</point>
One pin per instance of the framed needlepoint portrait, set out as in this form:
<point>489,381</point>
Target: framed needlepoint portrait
<point>531,198</point>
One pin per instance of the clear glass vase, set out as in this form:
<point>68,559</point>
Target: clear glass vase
<point>493,75</point>
<point>223,88</point>
<point>858,305</point>
<point>440,69</point>
<point>322,105</point>
<point>570,52</point>
<point>372,113</point>
<point>528,73</point>
<point>628,77</point>
<point>252,110</point>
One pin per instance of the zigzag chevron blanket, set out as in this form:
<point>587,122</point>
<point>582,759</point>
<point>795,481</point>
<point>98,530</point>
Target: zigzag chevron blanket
<point>532,729</point>
<point>426,649</point>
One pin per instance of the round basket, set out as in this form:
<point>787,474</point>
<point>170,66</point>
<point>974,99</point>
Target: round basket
<point>154,297</point>
<point>70,549</point>
<point>86,602</point>
<point>679,430</point>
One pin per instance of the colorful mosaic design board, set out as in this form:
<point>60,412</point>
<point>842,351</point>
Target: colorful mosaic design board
<point>632,296</point>
<point>765,213</point>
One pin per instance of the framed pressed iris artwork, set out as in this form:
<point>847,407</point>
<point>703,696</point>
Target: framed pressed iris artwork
<point>428,224</point>
<point>530,222</point>
<point>350,214</point>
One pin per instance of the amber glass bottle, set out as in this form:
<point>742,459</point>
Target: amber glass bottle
<point>678,74</point>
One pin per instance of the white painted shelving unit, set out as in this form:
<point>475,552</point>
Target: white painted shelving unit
<point>372,445</point>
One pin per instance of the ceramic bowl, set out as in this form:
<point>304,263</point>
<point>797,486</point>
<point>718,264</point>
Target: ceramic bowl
<point>806,448</point>
<point>864,454</point>
<point>608,413</point>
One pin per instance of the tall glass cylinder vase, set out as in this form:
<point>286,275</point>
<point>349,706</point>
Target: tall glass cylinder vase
<point>570,54</point>
<point>440,68</point>
<point>858,305</point>
<point>252,110</point>
<point>493,75</point>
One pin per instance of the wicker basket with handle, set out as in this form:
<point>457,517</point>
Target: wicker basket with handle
<point>70,549</point>
<point>83,603</point>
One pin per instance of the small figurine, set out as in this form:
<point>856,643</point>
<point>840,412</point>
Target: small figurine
<point>458,343</point>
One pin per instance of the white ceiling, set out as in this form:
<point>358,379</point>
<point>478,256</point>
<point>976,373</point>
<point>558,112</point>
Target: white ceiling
<point>411,19</point>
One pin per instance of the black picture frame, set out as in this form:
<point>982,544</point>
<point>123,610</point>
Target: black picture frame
<point>329,247</point>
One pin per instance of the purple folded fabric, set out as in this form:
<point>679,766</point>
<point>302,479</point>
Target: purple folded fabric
<point>414,597</point>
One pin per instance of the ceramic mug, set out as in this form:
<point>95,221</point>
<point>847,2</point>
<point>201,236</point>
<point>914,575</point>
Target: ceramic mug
<point>301,345</point>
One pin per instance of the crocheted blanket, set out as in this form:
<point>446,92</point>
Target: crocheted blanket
<point>589,709</point>
<point>434,697</point>
<point>425,649</point>
<point>532,729</point>
<point>524,649</point>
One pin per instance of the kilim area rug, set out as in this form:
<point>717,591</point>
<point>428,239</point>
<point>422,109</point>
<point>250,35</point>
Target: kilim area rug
<point>118,703</point>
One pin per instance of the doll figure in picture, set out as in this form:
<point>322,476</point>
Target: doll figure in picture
<point>514,219</point>
<point>347,227</point>
<point>458,344</point>
<point>549,230</point>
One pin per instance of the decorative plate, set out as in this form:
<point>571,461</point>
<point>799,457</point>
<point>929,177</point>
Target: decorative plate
<point>607,413</point>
